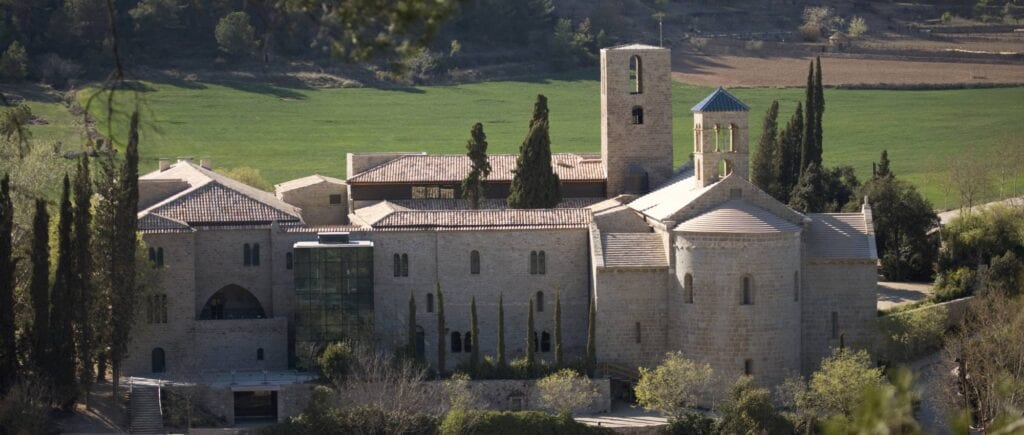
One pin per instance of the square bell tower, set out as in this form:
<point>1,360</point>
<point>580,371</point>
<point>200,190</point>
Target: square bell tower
<point>636,117</point>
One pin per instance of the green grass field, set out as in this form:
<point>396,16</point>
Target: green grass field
<point>288,133</point>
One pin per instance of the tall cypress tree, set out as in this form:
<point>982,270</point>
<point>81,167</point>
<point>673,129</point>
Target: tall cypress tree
<point>765,173</point>
<point>535,184</point>
<point>807,145</point>
<point>441,343</point>
<point>810,192</point>
<point>474,352</point>
<point>819,105</point>
<point>122,271</point>
<point>501,330</point>
<point>882,169</point>
<point>788,157</point>
<point>592,339</point>
<point>62,338</point>
<point>530,339</point>
<point>558,327</point>
<point>85,291</point>
<point>39,288</point>
<point>411,338</point>
<point>8,345</point>
<point>473,185</point>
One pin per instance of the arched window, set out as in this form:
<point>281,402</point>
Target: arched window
<point>467,342</point>
<point>725,137</point>
<point>152,255</point>
<point>159,257</point>
<point>638,115</point>
<point>796,286</point>
<point>259,354</point>
<point>159,364</point>
<point>748,291</point>
<point>456,342</point>
<point>688,289</point>
<point>540,301</point>
<point>398,265</point>
<point>731,139</point>
<point>636,75</point>
<point>405,264</point>
<point>748,367</point>
<point>289,263</point>
<point>430,302</point>
<point>545,342</point>
<point>247,255</point>
<point>256,254</point>
<point>724,167</point>
<point>474,262</point>
<point>542,267</point>
<point>533,262</point>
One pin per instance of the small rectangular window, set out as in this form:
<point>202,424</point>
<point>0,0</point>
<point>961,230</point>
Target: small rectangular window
<point>335,199</point>
<point>748,367</point>
<point>638,332</point>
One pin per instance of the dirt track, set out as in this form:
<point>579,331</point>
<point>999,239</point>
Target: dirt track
<point>792,71</point>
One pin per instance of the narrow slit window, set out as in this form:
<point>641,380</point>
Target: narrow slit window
<point>688,289</point>
<point>256,254</point>
<point>159,257</point>
<point>748,367</point>
<point>289,263</point>
<point>430,302</point>
<point>456,340</point>
<point>398,264</point>
<point>405,264</point>
<point>540,301</point>
<point>545,342</point>
<point>474,262</point>
<point>748,296</point>
<point>533,262</point>
<point>638,332</point>
<point>542,267</point>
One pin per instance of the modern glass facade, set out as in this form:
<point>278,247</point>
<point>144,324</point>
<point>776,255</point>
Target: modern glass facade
<point>334,291</point>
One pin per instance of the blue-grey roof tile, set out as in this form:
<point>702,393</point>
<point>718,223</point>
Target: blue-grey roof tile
<point>720,101</point>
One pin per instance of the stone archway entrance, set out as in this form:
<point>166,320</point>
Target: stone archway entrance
<point>232,302</point>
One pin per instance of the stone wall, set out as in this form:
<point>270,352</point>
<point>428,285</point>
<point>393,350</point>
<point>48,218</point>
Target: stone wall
<point>626,146</point>
<point>847,288</point>
<point>314,200</point>
<point>291,399</point>
<point>227,345</point>
<point>711,145</point>
<point>632,316</point>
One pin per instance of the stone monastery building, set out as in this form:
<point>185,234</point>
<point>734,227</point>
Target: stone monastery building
<point>693,259</point>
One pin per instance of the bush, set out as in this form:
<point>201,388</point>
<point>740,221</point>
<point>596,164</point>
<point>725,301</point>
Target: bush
<point>909,335</point>
<point>57,71</point>
<point>566,391</point>
<point>674,387</point>
<point>336,361</point>
<point>691,423</point>
<point>946,18</point>
<point>235,35</point>
<point>26,409</point>
<point>507,422</point>
<point>14,63</point>
<point>749,410</point>
<point>857,27</point>
<point>955,285</point>
<point>321,416</point>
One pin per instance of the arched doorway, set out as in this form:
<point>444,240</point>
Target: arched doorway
<point>159,364</point>
<point>232,302</point>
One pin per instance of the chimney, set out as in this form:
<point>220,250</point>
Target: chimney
<point>165,164</point>
<point>206,164</point>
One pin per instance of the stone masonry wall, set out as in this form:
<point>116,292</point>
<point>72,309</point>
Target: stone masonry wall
<point>631,316</point>
<point>315,203</point>
<point>849,290</point>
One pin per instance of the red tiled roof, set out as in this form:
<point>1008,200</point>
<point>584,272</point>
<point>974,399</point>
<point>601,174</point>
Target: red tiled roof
<point>840,235</point>
<point>486,219</point>
<point>633,250</point>
<point>213,203</point>
<point>739,217</point>
<point>154,223</point>
<point>453,168</point>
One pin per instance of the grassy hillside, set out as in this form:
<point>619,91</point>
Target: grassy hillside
<point>289,133</point>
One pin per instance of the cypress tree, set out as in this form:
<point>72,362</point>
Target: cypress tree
<point>474,353</point>
<point>530,353</point>
<point>85,291</point>
<point>63,303</point>
<point>788,157</point>
<point>764,173</point>
<point>558,327</point>
<point>883,170</point>
<point>501,330</point>
<point>809,195</point>
<point>440,329</point>
<point>39,288</point>
<point>819,105</point>
<point>592,339</point>
<point>807,145</point>
<point>411,338</point>
<point>8,345</point>
<point>124,243</point>
<point>473,185</point>
<point>534,183</point>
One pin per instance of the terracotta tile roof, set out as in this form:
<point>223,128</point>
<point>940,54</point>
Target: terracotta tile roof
<point>840,235</point>
<point>151,223</point>
<point>487,204</point>
<point>311,180</point>
<point>672,197</point>
<point>453,168</point>
<point>633,250</point>
<point>484,219</point>
<point>738,217</point>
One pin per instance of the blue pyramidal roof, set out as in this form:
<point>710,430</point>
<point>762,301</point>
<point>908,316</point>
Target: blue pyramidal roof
<point>720,101</point>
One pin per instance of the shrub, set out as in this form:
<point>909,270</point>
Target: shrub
<point>749,409</point>
<point>691,423</point>
<point>946,18</point>
<point>336,361</point>
<point>673,387</point>
<point>235,35</point>
<point>321,416</point>
<point>57,71</point>
<point>911,334</point>
<point>566,391</point>
<point>754,45</point>
<point>14,63</point>
<point>506,422</point>
<point>955,285</point>
<point>857,27</point>
<point>26,409</point>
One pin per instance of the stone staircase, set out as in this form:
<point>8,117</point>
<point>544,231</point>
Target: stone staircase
<point>146,416</point>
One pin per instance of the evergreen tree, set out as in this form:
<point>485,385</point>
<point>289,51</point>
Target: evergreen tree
<point>558,327</point>
<point>85,291</point>
<point>764,173</point>
<point>122,270</point>
<point>788,156</point>
<point>440,329</point>
<point>809,151</point>
<point>8,345</point>
<point>809,195</point>
<point>501,330</point>
<point>62,340</point>
<point>882,169</point>
<point>535,184</point>
<point>819,105</point>
<point>473,185</point>
<point>411,338</point>
<point>592,339</point>
<point>474,352</point>
<point>531,357</point>
<point>39,288</point>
